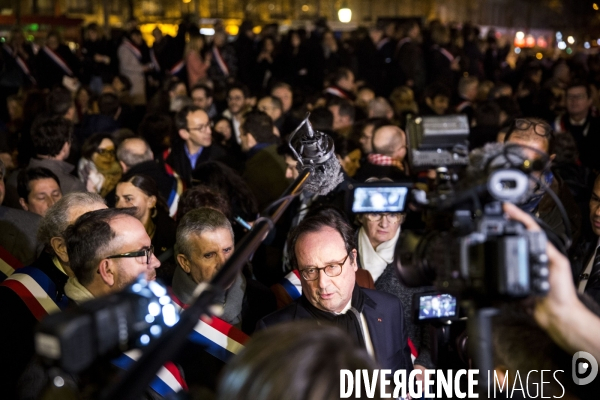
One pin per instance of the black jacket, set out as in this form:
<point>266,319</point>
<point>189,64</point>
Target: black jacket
<point>154,170</point>
<point>385,321</point>
<point>181,164</point>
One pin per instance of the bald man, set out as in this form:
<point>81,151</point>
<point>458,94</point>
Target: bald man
<point>387,159</point>
<point>136,158</point>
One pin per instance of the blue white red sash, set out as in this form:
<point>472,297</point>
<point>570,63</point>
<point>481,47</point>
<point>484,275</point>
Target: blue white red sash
<point>36,290</point>
<point>219,338</point>
<point>155,63</point>
<point>336,92</point>
<point>168,379</point>
<point>292,285</point>
<point>8,264</point>
<point>57,60</point>
<point>20,62</point>
<point>382,43</point>
<point>175,69</point>
<point>462,106</point>
<point>174,195</point>
<point>220,62</point>
<point>402,42</point>
<point>447,54</point>
<point>131,47</point>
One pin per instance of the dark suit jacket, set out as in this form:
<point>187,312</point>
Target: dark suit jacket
<point>580,256</point>
<point>385,321</point>
<point>18,230</point>
<point>180,163</point>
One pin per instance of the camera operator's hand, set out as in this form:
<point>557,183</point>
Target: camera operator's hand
<point>566,319</point>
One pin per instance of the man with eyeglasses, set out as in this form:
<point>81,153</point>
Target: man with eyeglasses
<point>537,138</point>
<point>324,252</point>
<point>30,293</point>
<point>579,122</point>
<point>194,145</point>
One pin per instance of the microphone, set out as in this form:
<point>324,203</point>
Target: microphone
<point>314,151</point>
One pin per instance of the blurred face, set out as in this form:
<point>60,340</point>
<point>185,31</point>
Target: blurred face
<point>595,208</point>
<point>285,96</point>
<point>439,104</point>
<point>224,128</point>
<point>363,97</point>
<point>127,195</point>
<point>269,46</point>
<point>15,110</point>
<point>200,100</point>
<point>210,251</point>
<point>329,40</point>
<point>93,35</point>
<point>295,40</point>
<point>136,39</point>
<point>131,237</point>
<point>339,121</point>
<point>180,90</point>
<point>265,105</point>
<point>381,227</point>
<point>351,163</point>
<point>104,156</point>
<point>198,129</point>
<point>83,98</point>
<point>578,102</point>
<point>235,101</point>
<point>43,194</point>
<point>347,82</point>
<point>291,172</point>
<point>117,84</point>
<point>318,250</point>
<point>52,42</point>
<point>366,138</point>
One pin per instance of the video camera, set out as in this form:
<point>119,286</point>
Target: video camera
<point>469,248</point>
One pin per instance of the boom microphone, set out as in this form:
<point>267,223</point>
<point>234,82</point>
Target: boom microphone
<point>314,151</point>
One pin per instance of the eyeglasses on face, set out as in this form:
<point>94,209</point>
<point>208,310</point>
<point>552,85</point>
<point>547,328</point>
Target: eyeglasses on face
<point>391,217</point>
<point>540,128</point>
<point>145,252</point>
<point>331,270</point>
<point>106,152</point>
<point>201,128</point>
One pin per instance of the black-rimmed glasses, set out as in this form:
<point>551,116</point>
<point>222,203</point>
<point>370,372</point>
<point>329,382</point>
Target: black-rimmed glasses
<point>145,252</point>
<point>540,128</point>
<point>331,270</point>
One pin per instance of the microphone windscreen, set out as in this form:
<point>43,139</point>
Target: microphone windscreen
<point>325,177</point>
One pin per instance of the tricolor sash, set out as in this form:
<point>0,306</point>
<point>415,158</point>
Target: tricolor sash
<point>413,351</point>
<point>446,54</point>
<point>168,379</point>
<point>175,69</point>
<point>463,105</point>
<point>8,264</point>
<point>336,92</point>
<point>20,62</point>
<point>136,52</point>
<point>36,290</point>
<point>220,62</point>
<point>58,60</point>
<point>174,195</point>
<point>154,60</point>
<point>288,289</point>
<point>219,338</point>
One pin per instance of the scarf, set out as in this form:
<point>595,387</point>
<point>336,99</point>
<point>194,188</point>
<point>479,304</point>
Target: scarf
<point>376,260</point>
<point>77,292</point>
<point>232,299</point>
<point>348,322</point>
<point>380,159</point>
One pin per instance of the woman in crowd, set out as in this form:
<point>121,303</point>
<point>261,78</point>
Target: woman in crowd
<point>377,238</point>
<point>98,167</point>
<point>197,64</point>
<point>141,192</point>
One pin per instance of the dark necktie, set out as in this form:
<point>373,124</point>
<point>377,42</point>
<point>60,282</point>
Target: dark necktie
<point>594,276</point>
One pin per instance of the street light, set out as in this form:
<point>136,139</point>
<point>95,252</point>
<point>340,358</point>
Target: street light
<point>345,13</point>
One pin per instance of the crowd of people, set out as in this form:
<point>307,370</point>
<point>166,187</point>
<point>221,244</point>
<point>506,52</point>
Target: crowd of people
<point>119,159</point>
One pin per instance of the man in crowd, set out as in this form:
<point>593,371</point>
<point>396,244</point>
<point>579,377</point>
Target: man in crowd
<point>136,158</point>
<point>323,250</point>
<point>387,159</point>
<point>38,190</point>
<point>202,96</point>
<point>195,146</point>
<point>343,115</point>
<point>236,107</point>
<point>52,145</point>
<point>204,243</point>
<point>107,121</point>
<point>342,84</point>
<point>437,99</point>
<point>264,171</point>
<point>409,58</point>
<point>21,302</point>
<point>579,122</point>
<point>467,93</point>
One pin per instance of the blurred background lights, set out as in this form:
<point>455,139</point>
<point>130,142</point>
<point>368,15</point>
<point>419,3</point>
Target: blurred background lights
<point>571,39</point>
<point>562,45</point>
